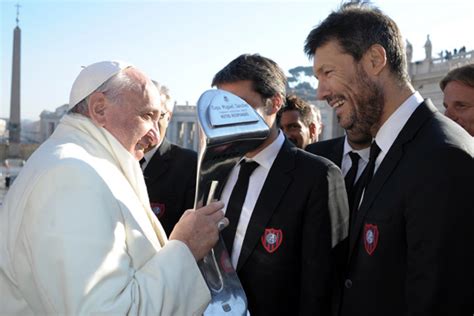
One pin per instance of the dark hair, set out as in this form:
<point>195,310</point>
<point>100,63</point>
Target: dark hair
<point>463,74</point>
<point>356,26</point>
<point>266,76</point>
<point>306,111</point>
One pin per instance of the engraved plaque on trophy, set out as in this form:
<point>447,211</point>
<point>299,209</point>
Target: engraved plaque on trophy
<point>228,128</point>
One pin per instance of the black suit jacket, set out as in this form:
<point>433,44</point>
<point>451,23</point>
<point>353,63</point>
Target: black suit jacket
<point>412,244</point>
<point>290,275</point>
<point>331,149</point>
<point>170,177</point>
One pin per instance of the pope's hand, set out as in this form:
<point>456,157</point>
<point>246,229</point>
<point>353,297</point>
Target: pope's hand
<point>199,229</point>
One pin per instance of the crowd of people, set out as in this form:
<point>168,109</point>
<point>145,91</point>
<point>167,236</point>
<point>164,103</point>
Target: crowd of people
<point>455,53</point>
<point>377,222</point>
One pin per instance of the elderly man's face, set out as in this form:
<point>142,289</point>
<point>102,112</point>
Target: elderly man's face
<point>459,104</point>
<point>134,122</point>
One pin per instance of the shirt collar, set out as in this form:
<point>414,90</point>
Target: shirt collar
<point>148,155</point>
<point>391,128</point>
<point>267,156</point>
<point>363,153</point>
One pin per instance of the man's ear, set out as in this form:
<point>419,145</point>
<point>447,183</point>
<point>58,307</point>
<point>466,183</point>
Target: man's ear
<point>274,104</point>
<point>96,108</point>
<point>320,128</point>
<point>312,131</point>
<point>374,59</point>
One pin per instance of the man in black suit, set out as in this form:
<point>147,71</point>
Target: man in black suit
<point>170,172</point>
<point>411,242</point>
<point>350,153</point>
<point>294,206</point>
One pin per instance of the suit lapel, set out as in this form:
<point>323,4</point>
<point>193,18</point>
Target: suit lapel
<point>336,152</point>
<point>159,163</point>
<point>388,165</point>
<point>273,190</point>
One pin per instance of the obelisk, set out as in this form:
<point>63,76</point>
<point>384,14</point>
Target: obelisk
<point>14,125</point>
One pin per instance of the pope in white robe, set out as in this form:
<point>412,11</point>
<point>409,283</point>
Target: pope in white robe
<point>77,235</point>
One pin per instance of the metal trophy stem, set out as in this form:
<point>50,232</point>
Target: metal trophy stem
<point>228,128</point>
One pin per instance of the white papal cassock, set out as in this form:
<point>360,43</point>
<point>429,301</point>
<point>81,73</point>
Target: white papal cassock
<point>77,235</point>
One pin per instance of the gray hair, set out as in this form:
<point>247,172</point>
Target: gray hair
<point>168,104</point>
<point>113,87</point>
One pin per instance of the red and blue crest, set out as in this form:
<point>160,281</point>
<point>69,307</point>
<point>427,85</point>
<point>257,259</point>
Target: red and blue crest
<point>371,238</point>
<point>271,239</point>
<point>158,209</point>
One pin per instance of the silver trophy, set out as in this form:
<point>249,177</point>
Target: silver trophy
<point>228,128</point>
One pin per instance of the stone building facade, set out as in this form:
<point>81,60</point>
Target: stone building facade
<point>426,74</point>
<point>183,129</point>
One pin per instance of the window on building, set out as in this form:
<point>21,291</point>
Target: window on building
<point>180,138</point>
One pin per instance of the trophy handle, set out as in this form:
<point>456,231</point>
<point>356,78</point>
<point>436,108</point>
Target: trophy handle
<point>211,271</point>
<point>228,296</point>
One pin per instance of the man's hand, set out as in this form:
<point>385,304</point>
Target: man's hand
<point>198,229</point>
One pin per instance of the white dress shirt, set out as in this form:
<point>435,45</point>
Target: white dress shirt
<point>347,162</point>
<point>391,128</point>
<point>265,159</point>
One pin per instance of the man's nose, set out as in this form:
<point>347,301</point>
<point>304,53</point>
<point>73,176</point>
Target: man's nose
<point>322,92</point>
<point>155,125</point>
<point>153,135</point>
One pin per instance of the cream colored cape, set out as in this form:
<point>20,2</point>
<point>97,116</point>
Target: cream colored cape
<point>77,235</point>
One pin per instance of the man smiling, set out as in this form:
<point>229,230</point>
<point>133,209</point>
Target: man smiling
<point>410,244</point>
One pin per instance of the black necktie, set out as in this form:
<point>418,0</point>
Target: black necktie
<point>351,176</point>
<point>366,176</point>
<point>142,161</point>
<point>236,201</point>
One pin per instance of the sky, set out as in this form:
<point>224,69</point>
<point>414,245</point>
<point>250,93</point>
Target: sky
<point>182,44</point>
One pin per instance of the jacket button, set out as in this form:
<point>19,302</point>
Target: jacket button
<point>348,283</point>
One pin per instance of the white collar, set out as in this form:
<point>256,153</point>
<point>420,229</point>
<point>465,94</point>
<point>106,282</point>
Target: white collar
<point>121,157</point>
<point>267,156</point>
<point>391,128</point>
<point>363,153</point>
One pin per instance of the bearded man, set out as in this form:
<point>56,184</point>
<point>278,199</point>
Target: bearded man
<point>410,244</point>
